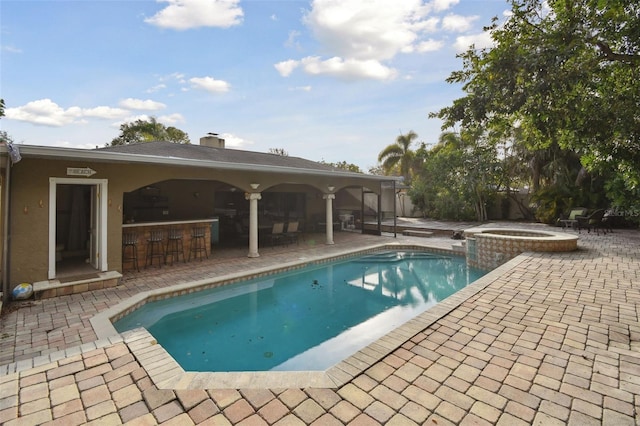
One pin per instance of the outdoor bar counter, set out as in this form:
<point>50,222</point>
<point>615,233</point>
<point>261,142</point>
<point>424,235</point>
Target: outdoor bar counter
<point>143,231</point>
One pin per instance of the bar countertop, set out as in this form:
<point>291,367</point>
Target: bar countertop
<point>171,222</point>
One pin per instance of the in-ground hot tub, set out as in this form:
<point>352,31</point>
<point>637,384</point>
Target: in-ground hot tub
<point>488,248</point>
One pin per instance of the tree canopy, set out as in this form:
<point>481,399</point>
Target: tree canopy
<point>457,178</point>
<point>343,165</point>
<point>564,74</point>
<point>147,131</point>
<point>4,136</point>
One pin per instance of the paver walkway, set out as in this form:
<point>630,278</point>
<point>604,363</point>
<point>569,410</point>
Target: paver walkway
<point>555,340</point>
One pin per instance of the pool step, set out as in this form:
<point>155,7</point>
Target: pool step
<point>54,288</point>
<point>416,233</point>
<point>390,257</point>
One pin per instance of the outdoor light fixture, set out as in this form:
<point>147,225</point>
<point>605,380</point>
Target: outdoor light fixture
<point>331,188</point>
<point>254,185</point>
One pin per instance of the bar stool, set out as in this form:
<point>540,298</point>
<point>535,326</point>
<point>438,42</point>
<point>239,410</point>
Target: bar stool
<point>155,248</point>
<point>175,246</point>
<point>198,242</point>
<point>130,244</point>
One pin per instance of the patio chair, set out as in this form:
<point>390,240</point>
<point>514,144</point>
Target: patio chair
<point>571,221</point>
<point>608,220</point>
<point>292,232</point>
<point>277,234</point>
<point>593,221</point>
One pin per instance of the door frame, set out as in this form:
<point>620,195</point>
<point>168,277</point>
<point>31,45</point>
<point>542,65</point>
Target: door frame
<point>98,247</point>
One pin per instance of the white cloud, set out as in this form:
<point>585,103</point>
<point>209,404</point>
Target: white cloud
<point>361,38</point>
<point>480,41</point>
<point>156,88</point>
<point>10,49</point>
<point>47,113</point>
<point>187,14</point>
<point>67,144</point>
<point>104,112</point>
<point>300,89</point>
<point>167,81</point>
<point>376,29</point>
<point>429,25</point>
<point>291,40</point>
<point>349,69</point>
<point>43,111</point>
<point>177,76</point>
<point>285,68</point>
<point>440,5</point>
<point>429,46</point>
<point>171,119</point>
<point>458,23</point>
<point>146,105</point>
<point>210,84</point>
<point>234,141</point>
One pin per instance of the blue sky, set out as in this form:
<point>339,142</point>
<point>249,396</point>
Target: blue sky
<point>332,80</point>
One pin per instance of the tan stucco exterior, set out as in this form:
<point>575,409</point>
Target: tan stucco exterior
<point>191,186</point>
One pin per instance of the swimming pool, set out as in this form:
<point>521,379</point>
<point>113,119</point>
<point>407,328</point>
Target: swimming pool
<point>307,319</point>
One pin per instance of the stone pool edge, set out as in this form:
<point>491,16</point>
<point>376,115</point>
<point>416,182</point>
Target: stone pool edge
<point>166,373</point>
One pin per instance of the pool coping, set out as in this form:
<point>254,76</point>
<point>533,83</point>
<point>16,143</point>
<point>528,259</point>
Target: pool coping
<point>520,234</point>
<point>166,373</point>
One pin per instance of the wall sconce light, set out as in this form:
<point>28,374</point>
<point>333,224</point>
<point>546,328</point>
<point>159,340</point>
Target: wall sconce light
<point>331,188</point>
<point>254,185</point>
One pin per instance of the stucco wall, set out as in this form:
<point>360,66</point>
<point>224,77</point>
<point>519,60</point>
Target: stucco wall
<point>29,235</point>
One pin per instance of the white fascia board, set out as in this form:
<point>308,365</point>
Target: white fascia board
<point>119,157</point>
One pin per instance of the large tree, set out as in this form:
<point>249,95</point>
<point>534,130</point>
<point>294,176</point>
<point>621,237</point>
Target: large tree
<point>562,73</point>
<point>458,178</point>
<point>399,157</point>
<point>147,131</point>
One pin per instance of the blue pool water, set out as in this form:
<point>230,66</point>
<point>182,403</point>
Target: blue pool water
<point>305,320</point>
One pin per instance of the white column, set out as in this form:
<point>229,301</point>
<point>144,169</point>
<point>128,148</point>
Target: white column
<point>329,217</point>
<point>253,222</point>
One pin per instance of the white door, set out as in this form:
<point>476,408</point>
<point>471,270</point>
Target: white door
<point>97,226</point>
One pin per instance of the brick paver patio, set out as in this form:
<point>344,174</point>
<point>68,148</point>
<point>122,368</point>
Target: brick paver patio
<point>554,340</point>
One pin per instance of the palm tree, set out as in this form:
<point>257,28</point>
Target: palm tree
<point>399,157</point>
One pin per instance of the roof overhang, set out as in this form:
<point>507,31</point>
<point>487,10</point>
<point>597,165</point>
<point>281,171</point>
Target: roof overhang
<point>75,154</point>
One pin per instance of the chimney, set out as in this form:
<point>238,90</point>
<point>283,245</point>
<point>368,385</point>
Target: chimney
<point>212,140</point>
